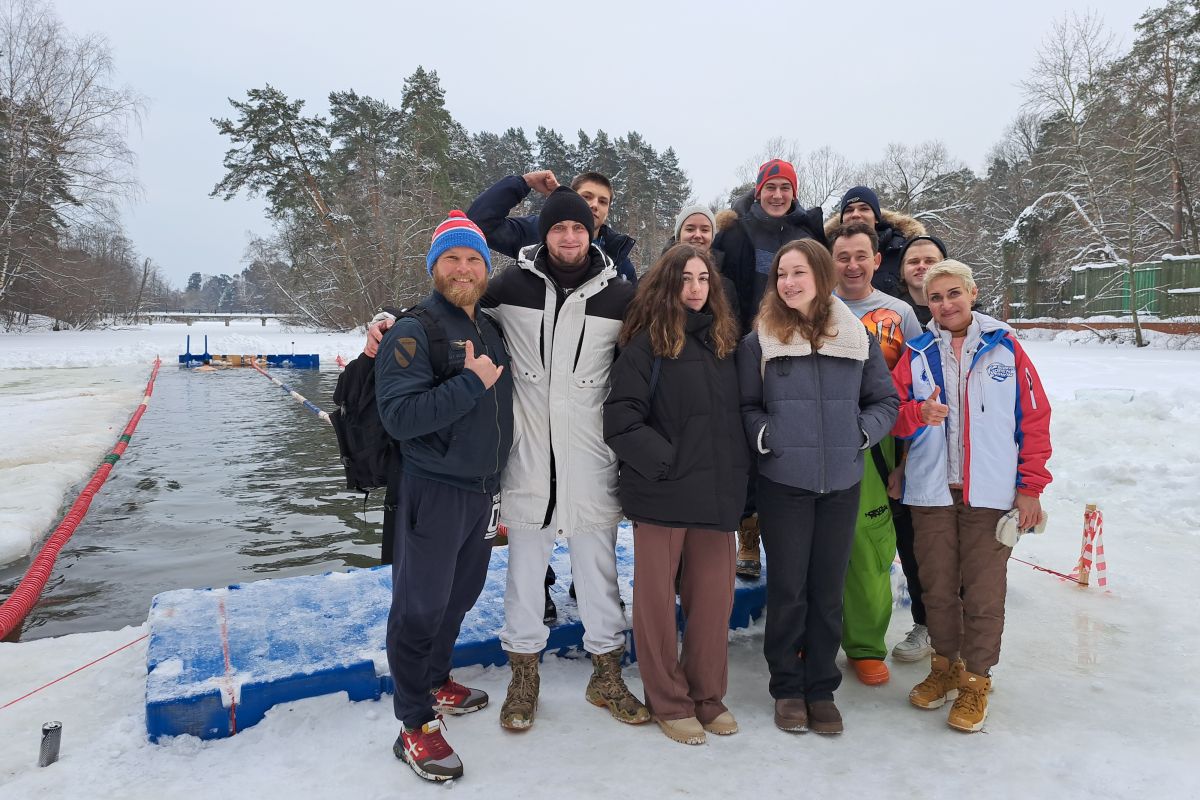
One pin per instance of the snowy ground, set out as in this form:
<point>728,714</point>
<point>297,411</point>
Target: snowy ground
<point>1091,695</point>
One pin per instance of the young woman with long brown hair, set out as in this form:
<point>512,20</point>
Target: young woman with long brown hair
<point>672,418</point>
<point>816,393</point>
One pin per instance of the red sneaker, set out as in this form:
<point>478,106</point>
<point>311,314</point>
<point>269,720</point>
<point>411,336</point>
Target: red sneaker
<point>871,671</point>
<point>454,698</point>
<point>428,752</point>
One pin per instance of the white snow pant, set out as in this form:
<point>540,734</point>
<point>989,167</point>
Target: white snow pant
<point>594,570</point>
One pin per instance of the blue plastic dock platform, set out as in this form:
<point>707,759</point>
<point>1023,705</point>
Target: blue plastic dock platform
<point>218,659</point>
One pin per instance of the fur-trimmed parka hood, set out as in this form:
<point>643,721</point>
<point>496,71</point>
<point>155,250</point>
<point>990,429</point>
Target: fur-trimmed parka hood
<point>903,224</point>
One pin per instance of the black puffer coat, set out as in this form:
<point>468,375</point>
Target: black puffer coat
<point>684,456</point>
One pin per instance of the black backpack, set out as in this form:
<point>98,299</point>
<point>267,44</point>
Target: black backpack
<point>366,450</point>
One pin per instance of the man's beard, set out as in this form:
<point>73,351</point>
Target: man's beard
<point>582,260</point>
<point>463,295</point>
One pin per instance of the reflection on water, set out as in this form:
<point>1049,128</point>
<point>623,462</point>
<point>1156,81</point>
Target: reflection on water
<point>227,479</point>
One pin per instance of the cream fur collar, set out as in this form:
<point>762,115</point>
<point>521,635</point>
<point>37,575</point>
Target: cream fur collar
<point>850,340</point>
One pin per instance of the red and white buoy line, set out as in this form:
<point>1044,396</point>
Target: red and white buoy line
<point>18,604</point>
<point>299,398</point>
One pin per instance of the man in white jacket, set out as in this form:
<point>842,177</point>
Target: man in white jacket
<point>561,309</point>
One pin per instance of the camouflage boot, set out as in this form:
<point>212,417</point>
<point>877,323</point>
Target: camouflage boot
<point>608,690</point>
<point>748,564</point>
<point>520,704</point>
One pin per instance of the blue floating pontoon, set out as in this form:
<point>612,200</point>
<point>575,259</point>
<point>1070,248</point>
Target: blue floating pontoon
<point>218,659</point>
<point>292,361</point>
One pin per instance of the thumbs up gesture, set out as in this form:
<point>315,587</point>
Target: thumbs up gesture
<point>933,412</point>
<point>482,366</point>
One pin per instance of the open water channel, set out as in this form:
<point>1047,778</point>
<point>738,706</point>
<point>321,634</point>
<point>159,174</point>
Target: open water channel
<point>226,480</point>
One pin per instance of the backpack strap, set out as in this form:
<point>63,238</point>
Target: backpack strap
<point>439,345</point>
<point>880,464</point>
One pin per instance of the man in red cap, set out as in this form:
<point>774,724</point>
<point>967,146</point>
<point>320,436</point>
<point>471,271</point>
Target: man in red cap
<point>766,219</point>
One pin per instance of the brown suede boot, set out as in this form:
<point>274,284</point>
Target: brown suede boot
<point>824,717</point>
<point>940,685</point>
<point>970,707</point>
<point>748,564</point>
<point>520,704</point>
<point>607,689</point>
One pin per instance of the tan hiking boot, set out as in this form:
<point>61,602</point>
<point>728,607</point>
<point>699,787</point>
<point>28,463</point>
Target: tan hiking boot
<point>607,689</point>
<point>520,704</point>
<point>722,725</point>
<point>748,564</point>
<point>684,731</point>
<point>940,685</point>
<point>970,707</point>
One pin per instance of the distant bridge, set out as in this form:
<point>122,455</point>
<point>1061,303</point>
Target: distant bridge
<point>213,316</point>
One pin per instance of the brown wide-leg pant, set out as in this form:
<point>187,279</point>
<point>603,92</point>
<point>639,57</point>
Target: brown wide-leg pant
<point>964,578</point>
<point>692,684</point>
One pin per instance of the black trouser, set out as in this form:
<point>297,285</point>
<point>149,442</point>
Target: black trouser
<point>905,537</point>
<point>808,537</point>
<point>439,565</point>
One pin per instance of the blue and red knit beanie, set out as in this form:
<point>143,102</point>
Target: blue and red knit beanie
<point>457,231</point>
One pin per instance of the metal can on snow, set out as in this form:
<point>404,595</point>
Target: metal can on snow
<point>51,738</point>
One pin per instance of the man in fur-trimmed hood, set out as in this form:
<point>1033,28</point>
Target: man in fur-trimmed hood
<point>861,204</point>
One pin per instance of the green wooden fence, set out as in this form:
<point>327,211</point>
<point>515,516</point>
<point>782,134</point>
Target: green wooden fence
<point>1167,288</point>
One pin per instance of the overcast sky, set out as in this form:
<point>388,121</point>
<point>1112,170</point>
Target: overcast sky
<point>713,80</point>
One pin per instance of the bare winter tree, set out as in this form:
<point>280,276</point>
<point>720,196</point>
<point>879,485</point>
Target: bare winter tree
<point>63,152</point>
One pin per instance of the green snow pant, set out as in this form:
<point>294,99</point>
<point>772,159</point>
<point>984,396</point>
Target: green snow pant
<point>867,597</point>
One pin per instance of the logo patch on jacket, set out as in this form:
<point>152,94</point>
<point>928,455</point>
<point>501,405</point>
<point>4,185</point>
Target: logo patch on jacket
<point>877,512</point>
<point>404,351</point>
<point>1000,372</point>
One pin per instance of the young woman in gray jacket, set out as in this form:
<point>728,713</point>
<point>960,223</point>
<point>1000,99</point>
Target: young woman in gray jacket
<point>815,395</point>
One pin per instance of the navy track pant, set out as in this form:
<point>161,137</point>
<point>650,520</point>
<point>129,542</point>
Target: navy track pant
<point>439,565</point>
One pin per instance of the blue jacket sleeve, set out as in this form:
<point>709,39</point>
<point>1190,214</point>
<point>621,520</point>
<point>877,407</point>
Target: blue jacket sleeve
<point>410,405</point>
<point>627,270</point>
<point>506,235</point>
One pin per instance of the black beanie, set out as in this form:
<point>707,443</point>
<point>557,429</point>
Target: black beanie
<point>565,205</point>
<point>860,194</point>
<point>923,238</point>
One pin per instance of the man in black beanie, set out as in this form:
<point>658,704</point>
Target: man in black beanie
<point>507,235</point>
<point>561,308</point>
<point>565,228</point>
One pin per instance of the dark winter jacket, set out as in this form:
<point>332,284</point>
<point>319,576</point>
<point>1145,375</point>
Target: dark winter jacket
<point>750,240</point>
<point>923,313</point>
<point>810,417</point>
<point>455,432</point>
<point>894,230</point>
<point>684,459</point>
<point>507,235</point>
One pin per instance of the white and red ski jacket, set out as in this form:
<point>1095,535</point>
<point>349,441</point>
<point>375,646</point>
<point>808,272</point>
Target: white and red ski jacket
<point>1003,414</point>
